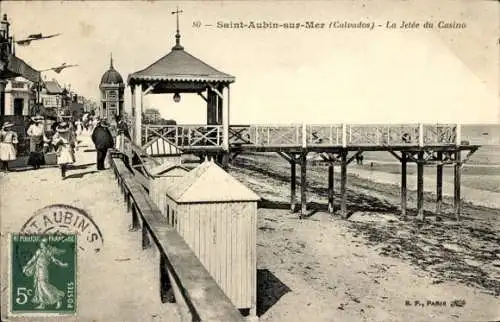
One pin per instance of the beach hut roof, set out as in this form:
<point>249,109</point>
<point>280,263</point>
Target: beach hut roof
<point>166,167</point>
<point>209,183</point>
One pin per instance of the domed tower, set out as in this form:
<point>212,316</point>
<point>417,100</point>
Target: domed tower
<point>112,89</point>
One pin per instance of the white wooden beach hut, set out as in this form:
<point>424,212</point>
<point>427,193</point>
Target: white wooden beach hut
<point>163,150</point>
<point>163,175</point>
<point>217,217</point>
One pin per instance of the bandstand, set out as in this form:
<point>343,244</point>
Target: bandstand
<point>176,73</point>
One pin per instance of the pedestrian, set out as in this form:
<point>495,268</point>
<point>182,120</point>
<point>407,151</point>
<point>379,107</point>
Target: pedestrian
<point>36,135</point>
<point>123,132</point>
<point>103,141</point>
<point>8,142</point>
<point>64,141</point>
<point>79,127</point>
<point>93,123</point>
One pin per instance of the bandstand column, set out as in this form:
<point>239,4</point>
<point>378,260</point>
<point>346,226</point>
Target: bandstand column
<point>211,107</point>
<point>225,122</point>
<point>138,114</point>
<point>219,105</point>
<point>134,110</point>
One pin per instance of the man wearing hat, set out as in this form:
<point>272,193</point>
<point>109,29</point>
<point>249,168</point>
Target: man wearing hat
<point>64,141</point>
<point>103,141</point>
<point>8,140</point>
<point>36,135</point>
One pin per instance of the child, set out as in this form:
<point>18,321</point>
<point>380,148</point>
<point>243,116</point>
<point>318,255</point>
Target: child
<point>64,141</point>
<point>8,140</point>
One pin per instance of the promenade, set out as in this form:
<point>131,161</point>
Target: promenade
<point>118,283</point>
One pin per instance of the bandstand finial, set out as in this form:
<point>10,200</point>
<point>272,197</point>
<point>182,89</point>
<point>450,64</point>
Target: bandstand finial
<point>111,61</point>
<point>177,35</point>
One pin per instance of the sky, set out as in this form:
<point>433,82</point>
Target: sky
<point>384,75</point>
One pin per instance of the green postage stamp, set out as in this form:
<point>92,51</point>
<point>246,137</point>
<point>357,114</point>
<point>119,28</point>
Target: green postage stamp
<point>43,274</point>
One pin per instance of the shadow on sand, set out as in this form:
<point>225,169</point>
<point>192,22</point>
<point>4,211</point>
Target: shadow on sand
<point>314,207</point>
<point>79,175</point>
<point>81,166</point>
<point>269,290</point>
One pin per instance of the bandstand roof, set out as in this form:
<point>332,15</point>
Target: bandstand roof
<point>179,66</point>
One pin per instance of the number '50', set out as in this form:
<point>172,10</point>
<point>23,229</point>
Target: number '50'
<point>22,295</point>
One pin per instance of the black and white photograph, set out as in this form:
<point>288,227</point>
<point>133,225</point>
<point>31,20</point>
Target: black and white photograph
<point>250,160</point>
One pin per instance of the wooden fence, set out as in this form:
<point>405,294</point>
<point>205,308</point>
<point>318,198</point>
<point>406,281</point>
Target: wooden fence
<point>181,273</point>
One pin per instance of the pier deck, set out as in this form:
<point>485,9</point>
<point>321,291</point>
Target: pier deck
<point>336,144</point>
<point>299,137</point>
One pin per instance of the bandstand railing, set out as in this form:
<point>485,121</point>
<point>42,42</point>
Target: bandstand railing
<point>189,135</point>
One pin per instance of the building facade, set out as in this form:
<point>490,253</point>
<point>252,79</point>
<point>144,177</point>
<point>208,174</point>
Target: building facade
<point>10,68</point>
<point>52,97</point>
<point>19,97</point>
<point>112,91</point>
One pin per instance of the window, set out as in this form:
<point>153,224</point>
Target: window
<point>17,85</point>
<point>50,101</point>
<point>112,95</point>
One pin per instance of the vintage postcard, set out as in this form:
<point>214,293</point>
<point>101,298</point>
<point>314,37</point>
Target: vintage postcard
<point>249,160</point>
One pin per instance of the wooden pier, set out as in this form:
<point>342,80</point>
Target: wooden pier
<point>336,144</point>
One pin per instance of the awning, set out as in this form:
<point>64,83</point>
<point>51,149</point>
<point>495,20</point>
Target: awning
<point>18,67</point>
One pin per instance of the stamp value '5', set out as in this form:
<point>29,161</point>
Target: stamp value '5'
<point>43,274</point>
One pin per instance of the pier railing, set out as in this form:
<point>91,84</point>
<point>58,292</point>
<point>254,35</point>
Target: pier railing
<point>183,278</point>
<point>304,135</point>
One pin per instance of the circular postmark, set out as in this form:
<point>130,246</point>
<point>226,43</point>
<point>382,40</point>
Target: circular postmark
<point>62,219</point>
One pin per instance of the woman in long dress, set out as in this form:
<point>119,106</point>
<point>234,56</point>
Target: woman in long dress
<point>8,142</point>
<point>38,266</point>
<point>123,132</point>
<point>36,135</point>
<point>79,127</point>
<point>64,141</point>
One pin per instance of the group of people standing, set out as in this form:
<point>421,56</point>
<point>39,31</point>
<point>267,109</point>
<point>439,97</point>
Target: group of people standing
<point>62,139</point>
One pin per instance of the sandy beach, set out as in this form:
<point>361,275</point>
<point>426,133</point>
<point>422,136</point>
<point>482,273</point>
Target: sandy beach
<point>366,268</point>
